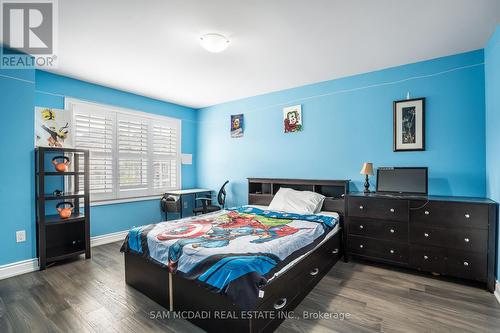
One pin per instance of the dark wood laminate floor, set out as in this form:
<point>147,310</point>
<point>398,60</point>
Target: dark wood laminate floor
<point>91,296</point>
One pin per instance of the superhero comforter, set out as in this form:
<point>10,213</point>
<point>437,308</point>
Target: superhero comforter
<point>232,252</point>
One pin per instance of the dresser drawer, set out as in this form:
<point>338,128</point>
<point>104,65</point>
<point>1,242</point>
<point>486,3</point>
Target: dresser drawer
<point>386,230</point>
<point>454,214</point>
<point>387,250</point>
<point>466,265</point>
<point>454,263</point>
<point>385,209</point>
<point>474,240</point>
<point>428,259</point>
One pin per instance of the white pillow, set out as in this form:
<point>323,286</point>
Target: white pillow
<point>298,202</point>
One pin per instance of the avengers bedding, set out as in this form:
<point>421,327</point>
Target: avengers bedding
<point>232,252</point>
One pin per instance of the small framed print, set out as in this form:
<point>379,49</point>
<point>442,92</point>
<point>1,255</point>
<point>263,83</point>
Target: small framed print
<point>409,125</point>
<point>237,125</point>
<point>292,118</point>
<point>52,128</point>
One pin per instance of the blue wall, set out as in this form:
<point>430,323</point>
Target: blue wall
<point>50,92</point>
<point>17,89</point>
<point>492,75</point>
<point>348,121</point>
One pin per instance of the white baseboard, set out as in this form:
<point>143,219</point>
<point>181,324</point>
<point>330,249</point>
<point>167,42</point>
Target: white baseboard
<point>31,265</point>
<point>108,238</point>
<point>18,268</point>
<point>497,291</point>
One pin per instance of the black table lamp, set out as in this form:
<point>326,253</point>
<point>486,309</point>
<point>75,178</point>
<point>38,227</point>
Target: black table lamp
<point>367,170</point>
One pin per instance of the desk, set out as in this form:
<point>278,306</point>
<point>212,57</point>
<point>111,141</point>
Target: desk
<point>187,199</point>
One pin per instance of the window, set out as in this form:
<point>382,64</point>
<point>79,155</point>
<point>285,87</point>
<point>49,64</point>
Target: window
<point>132,154</point>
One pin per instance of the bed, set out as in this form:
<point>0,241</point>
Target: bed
<point>239,269</point>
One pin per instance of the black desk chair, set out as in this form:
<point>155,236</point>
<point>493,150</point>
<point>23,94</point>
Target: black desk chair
<point>207,206</point>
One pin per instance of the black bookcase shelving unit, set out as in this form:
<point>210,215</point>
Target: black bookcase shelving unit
<point>60,238</point>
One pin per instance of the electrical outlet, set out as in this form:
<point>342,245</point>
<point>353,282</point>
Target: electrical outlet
<point>21,236</point>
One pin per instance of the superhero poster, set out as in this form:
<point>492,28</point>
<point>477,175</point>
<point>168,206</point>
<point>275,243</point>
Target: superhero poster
<point>292,118</point>
<point>237,125</point>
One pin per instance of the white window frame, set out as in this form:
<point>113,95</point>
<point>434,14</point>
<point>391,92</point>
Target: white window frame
<point>118,196</point>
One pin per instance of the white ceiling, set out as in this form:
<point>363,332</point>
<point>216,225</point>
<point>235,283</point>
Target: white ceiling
<point>151,47</point>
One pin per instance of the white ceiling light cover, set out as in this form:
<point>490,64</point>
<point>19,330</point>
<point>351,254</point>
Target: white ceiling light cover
<point>214,43</point>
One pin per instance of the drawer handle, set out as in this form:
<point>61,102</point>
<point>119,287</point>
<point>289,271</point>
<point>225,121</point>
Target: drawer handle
<point>335,251</point>
<point>361,226</point>
<point>361,246</point>
<point>426,212</point>
<point>361,207</point>
<point>466,263</point>
<point>280,304</point>
<point>314,272</point>
<point>426,234</point>
<point>426,257</point>
<point>392,231</point>
<point>467,216</point>
<point>392,210</point>
<point>466,240</point>
<point>392,251</point>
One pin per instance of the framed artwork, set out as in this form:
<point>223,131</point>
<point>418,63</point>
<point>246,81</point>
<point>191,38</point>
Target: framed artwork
<point>237,125</point>
<point>292,118</point>
<point>409,125</point>
<point>52,128</point>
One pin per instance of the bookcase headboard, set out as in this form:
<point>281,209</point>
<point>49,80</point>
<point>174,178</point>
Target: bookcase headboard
<point>262,190</point>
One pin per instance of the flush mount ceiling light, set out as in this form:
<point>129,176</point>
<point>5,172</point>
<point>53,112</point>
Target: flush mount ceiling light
<point>214,42</point>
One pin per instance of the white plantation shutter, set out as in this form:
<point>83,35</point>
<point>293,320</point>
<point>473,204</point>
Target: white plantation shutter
<point>132,154</point>
<point>95,132</point>
<point>165,162</point>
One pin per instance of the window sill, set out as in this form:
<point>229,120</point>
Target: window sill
<point>125,200</point>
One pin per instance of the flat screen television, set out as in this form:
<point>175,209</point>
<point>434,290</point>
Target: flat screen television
<point>402,180</point>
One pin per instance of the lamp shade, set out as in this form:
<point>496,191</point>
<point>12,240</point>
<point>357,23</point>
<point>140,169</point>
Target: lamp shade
<point>367,169</point>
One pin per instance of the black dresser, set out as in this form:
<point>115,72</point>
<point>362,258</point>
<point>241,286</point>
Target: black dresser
<point>452,236</point>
